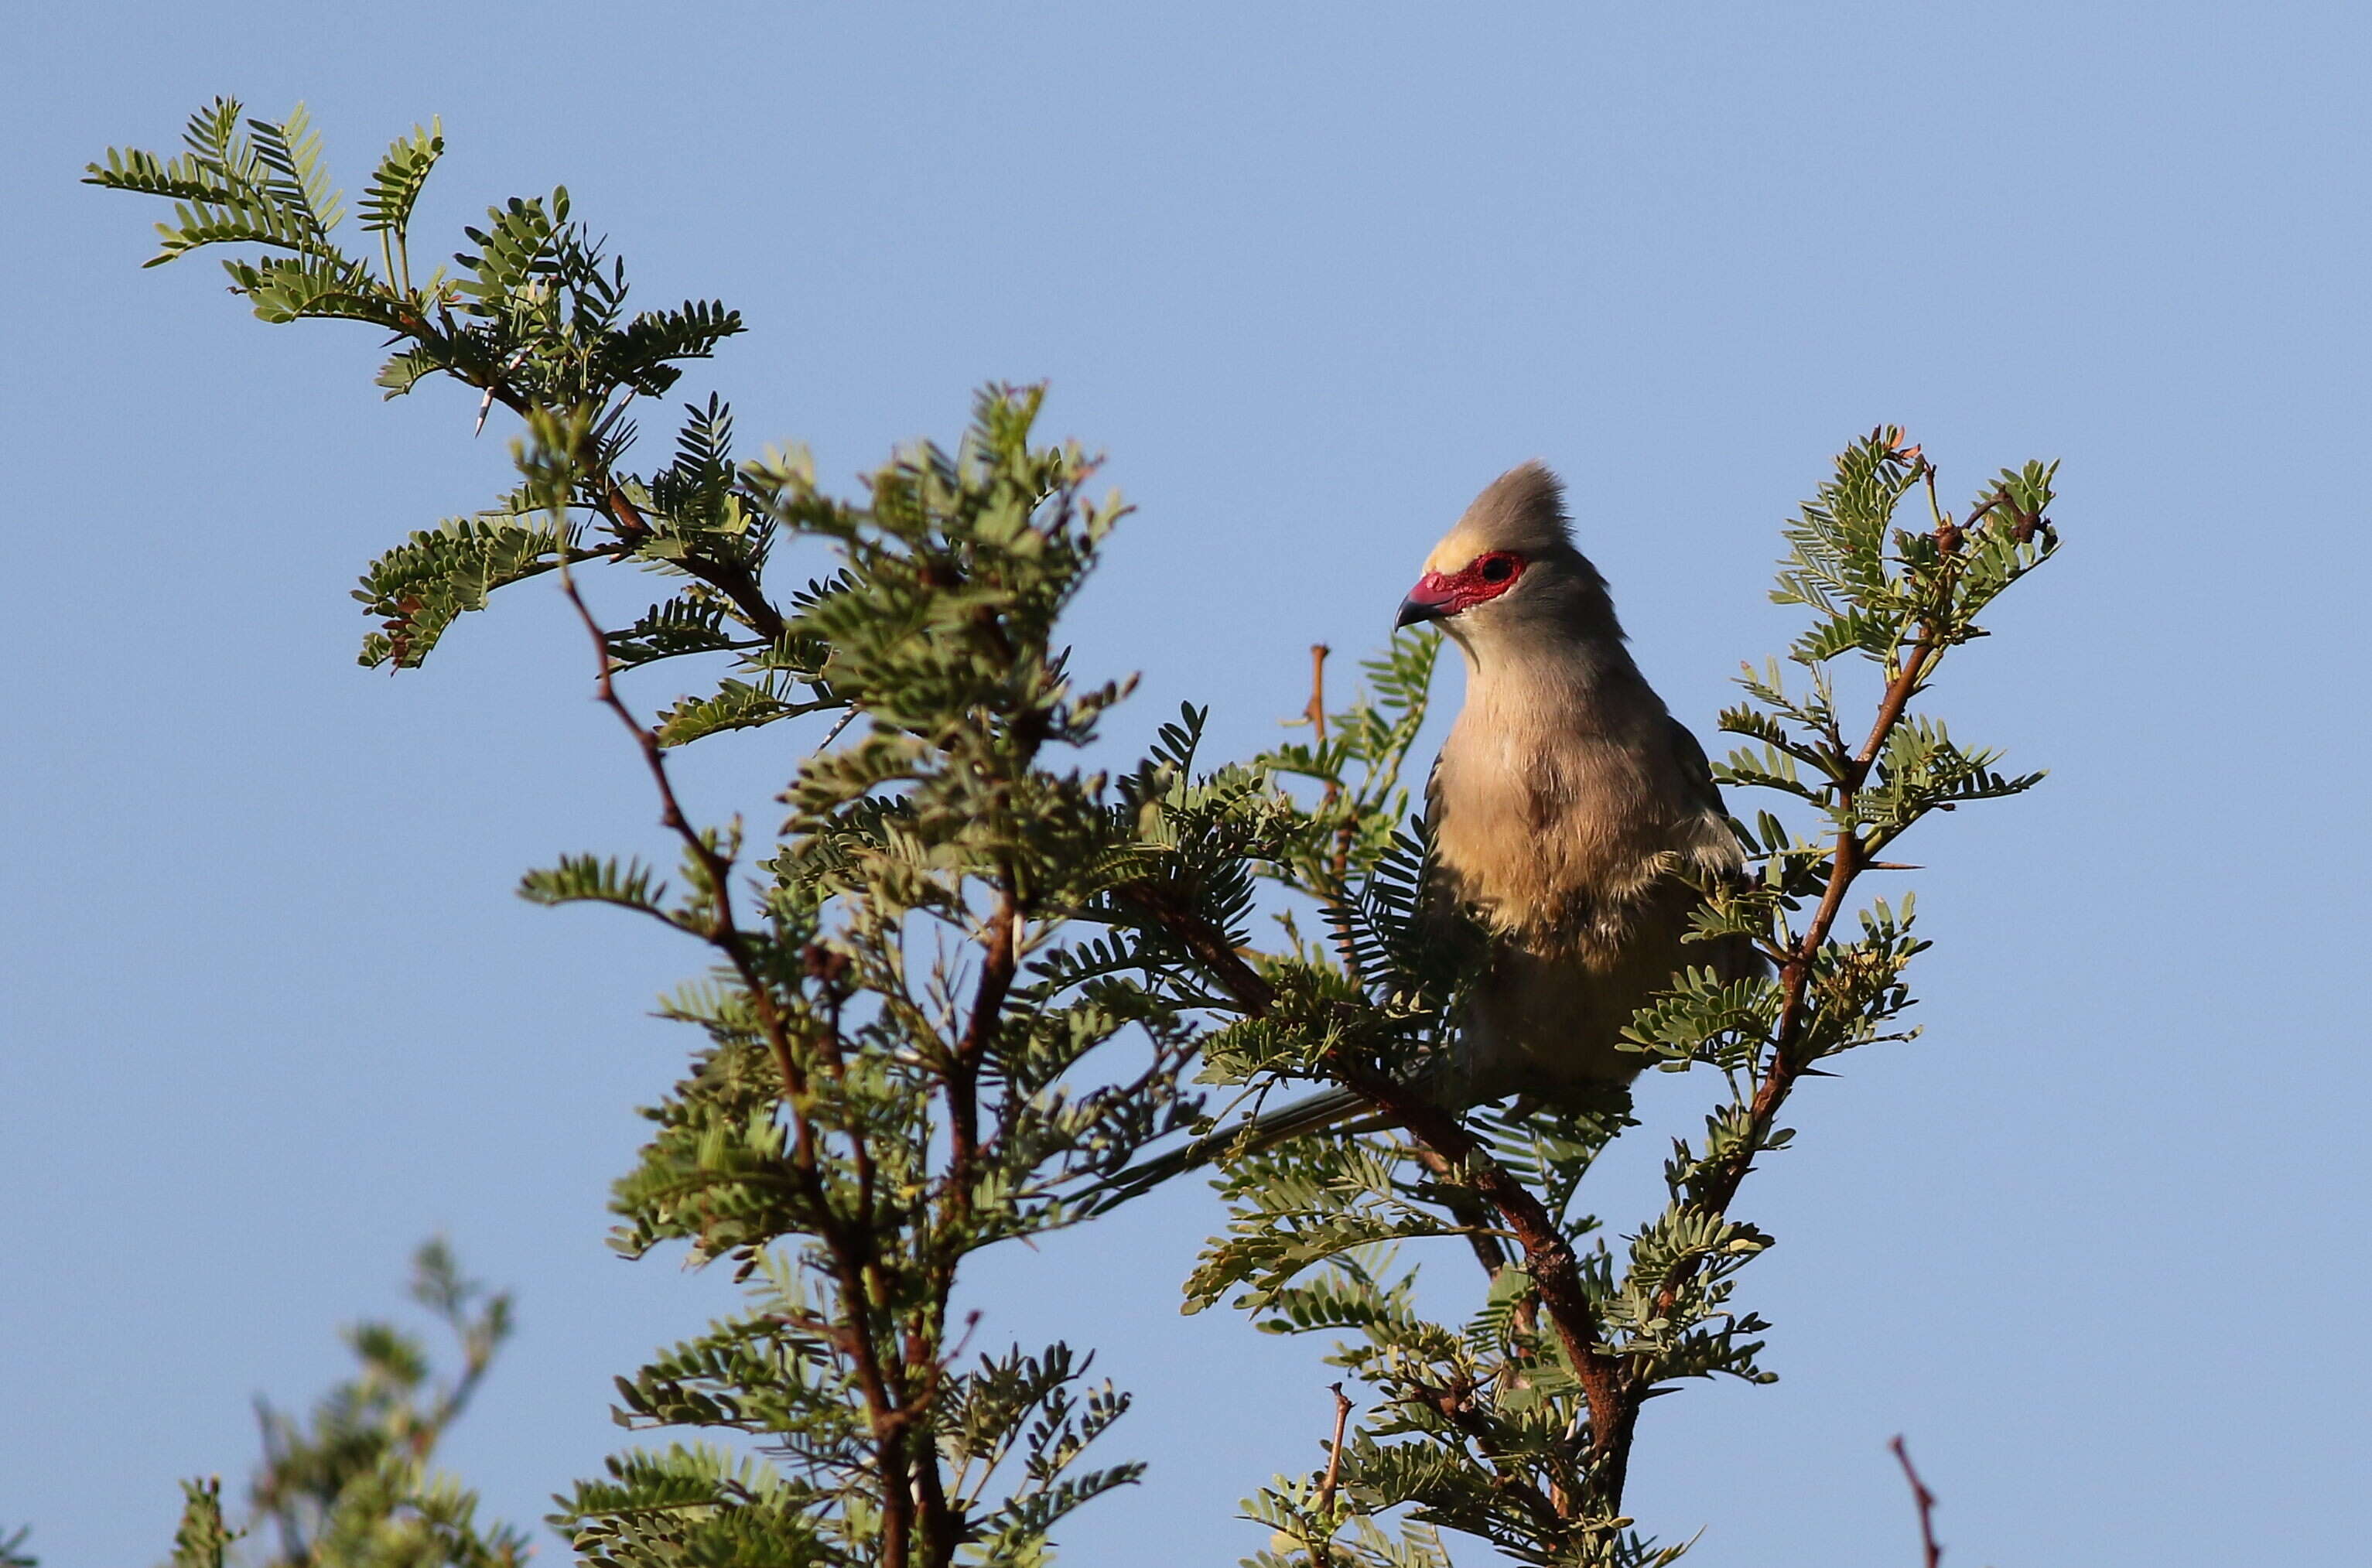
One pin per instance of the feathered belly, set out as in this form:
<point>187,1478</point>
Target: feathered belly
<point>1572,861</point>
<point>1548,1013</point>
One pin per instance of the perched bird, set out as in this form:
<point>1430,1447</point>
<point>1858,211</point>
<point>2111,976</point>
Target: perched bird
<point>1568,810</point>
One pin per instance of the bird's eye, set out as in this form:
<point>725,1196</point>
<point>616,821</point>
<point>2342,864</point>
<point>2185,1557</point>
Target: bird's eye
<point>1498,568</point>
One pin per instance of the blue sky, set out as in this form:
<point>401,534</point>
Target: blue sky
<point>1311,276</point>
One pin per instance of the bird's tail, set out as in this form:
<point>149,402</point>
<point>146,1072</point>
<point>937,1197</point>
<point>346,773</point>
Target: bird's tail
<point>1328,1108</point>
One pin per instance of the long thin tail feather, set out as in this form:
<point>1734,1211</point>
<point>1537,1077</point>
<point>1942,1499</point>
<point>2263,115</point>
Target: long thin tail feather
<point>1326,1108</point>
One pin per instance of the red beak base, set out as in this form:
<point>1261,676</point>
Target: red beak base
<point>1434,598</point>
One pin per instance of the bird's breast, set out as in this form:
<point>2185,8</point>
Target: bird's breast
<point>1551,832</point>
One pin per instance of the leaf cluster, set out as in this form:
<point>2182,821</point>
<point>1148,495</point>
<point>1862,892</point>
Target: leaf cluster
<point>947,1014</point>
<point>533,315</point>
<point>355,1484</point>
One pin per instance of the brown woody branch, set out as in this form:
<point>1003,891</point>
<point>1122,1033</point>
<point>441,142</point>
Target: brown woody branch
<point>1549,1258</point>
<point>1547,1509</point>
<point>850,1243</point>
<point>1001,959</point>
<point>730,578</point>
<point>1848,860</point>
<point>1343,836</point>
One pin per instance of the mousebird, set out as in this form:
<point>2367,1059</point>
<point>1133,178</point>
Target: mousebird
<point>1568,811</point>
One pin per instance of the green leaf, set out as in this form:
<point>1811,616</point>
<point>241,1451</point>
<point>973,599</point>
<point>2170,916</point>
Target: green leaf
<point>584,879</point>
<point>291,150</point>
<point>735,704</point>
<point>304,287</point>
<point>395,185</point>
<point>641,353</point>
<point>421,586</point>
<point>404,371</point>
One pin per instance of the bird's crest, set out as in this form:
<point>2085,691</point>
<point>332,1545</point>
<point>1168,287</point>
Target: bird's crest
<point>1522,510</point>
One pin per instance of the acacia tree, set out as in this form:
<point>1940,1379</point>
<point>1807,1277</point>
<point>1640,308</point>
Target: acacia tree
<point>967,983</point>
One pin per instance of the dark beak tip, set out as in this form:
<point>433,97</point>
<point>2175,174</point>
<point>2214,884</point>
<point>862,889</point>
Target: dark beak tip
<point>1413,612</point>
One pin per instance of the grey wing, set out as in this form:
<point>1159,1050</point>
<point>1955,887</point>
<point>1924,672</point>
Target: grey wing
<point>1443,912</point>
<point>1696,770</point>
<point>1714,844</point>
<point>1440,905</point>
<point>1736,957</point>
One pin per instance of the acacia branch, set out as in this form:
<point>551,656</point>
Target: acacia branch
<point>1001,945</point>
<point>1549,1258</point>
<point>1848,858</point>
<point>1332,797</point>
<point>1452,1405</point>
<point>851,1245</point>
<point>1459,1199</point>
<point>731,578</point>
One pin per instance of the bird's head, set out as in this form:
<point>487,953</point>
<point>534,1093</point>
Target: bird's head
<point>1510,562</point>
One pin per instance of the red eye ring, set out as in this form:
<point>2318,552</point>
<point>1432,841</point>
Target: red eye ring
<point>1440,595</point>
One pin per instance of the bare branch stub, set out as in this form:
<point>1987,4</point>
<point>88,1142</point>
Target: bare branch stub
<point>1925,1499</point>
<point>1319,1553</point>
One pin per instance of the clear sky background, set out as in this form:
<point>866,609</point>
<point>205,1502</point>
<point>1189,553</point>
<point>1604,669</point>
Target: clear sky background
<point>1312,275</point>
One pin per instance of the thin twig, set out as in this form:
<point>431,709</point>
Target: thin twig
<point>1460,1200</point>
<point>734,579</point>
<point>1319,1553</point>
<point>1316,709</point>
<point>1927,1501</point>
<point>1848,858</point>
<point>1846,862</point>
<point>731,578</point>
<point>1331,889</point>
<point>1344,833</point>
<point>1001,947</point>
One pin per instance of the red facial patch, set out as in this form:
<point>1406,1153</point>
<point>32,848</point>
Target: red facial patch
<point>1480,581</point>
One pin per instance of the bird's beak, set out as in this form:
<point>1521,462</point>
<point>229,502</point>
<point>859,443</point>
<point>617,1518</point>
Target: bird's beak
<point>1429,600</point>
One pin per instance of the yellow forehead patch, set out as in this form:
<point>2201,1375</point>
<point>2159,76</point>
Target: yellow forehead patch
<point>1456,552</point>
